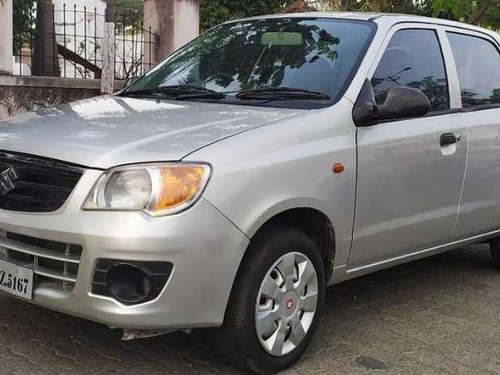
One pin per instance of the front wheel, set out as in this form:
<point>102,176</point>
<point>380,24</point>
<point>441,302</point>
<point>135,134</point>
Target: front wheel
<point>276,301</point>
<point>495,251</point>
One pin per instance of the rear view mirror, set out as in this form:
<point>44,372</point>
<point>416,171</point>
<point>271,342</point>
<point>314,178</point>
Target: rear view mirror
<point>401,102</point>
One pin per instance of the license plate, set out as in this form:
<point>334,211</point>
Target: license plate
<point>16,280</point>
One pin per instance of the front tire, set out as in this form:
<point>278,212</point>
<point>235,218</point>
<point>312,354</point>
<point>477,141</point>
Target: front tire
<point>495,252</point>
<point>276,302</point>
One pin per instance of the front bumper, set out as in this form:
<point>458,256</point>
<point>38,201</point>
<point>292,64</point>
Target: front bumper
<point>203,245</point>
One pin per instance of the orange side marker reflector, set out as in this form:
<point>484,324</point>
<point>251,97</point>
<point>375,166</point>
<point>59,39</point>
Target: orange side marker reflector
<point>338,168</point>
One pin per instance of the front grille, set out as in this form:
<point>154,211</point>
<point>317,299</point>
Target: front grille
<point>54,263</point>
<point>35,184</point>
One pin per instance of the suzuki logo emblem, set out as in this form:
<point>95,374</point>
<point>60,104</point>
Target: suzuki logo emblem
<point>7,180</point>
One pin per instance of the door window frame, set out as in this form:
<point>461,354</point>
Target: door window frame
<point>475,34</point>
<point>451,73</point>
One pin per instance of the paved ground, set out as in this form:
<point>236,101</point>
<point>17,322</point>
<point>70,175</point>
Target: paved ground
<point>436,316</point>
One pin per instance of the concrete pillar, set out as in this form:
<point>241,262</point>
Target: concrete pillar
<point>6,37</point>
<point>108,59</point>
<point>176,22</point>
<point>186,22</point>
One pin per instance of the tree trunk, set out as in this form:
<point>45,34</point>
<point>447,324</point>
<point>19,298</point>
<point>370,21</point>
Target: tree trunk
<point>110,10</point>
<point>476,16</point>
<point>45,58</point>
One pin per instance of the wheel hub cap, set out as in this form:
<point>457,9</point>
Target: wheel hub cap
<point>289,304</point>
<point>286,304</point>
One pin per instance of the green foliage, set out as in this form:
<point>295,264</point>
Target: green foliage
<point>483,12</point>
<point>421,7</point>
<point>457,9</point>
<point>129,12</point>
<point>214,12</point>
<point>24,23</point>
<point>492,18</point>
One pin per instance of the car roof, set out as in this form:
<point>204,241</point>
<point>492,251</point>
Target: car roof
<point>380,18</point>
<point>365,16</point>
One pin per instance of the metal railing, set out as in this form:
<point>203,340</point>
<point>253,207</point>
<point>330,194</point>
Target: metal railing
<point>78,36</point>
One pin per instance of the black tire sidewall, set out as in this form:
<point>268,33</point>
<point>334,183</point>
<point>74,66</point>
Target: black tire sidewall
<point>263,253</point>
<point>495,252</point>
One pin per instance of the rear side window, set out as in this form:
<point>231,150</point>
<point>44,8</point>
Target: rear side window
<point>414,59</point>
<point>478,65</point>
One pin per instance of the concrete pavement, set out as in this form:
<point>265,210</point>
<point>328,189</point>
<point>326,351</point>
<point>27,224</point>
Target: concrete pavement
<point>440,315</point>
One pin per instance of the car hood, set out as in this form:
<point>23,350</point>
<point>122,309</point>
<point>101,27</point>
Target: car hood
<point>110,130</point>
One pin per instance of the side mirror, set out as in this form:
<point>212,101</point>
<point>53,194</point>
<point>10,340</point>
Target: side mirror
<point>130,81</point>
<point>401,102</point>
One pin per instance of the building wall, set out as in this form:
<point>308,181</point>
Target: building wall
<point>6,61</point>
<point>21,94</point>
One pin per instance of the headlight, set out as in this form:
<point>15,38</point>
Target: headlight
<point>157,189</point>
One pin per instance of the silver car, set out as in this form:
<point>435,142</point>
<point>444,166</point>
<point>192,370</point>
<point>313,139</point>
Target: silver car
<point>267,159</point>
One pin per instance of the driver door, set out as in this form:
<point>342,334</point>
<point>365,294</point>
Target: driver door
<point>409,181</point>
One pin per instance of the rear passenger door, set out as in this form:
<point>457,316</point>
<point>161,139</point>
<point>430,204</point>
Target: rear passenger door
<point>477,59</point>
<point>409,184</point>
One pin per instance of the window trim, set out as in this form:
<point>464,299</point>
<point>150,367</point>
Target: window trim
<point>473,34</point>
<point>444,53</point>
<point>447,112</point>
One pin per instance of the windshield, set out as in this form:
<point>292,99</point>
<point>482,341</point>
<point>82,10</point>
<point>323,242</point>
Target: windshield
<point>309,60</point>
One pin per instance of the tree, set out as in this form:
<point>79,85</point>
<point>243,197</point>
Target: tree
<point>479,12</point>
<point>129,12</point>
<point>45,61</point>
<point>24,23</point>
<point>214,12</point>
<point>110,10</point>
<point>125,12</point>
<point>391,6</point>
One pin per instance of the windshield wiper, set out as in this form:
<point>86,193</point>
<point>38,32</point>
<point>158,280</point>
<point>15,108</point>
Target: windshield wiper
<point>281,93</point>
<point>188,92</point>
<point>171,92</point>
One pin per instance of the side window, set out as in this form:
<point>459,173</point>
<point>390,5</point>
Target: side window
<point>414,59</point>
<point>478,65</point>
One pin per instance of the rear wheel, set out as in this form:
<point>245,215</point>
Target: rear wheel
<point>275,303</point>
<point>495,251</point>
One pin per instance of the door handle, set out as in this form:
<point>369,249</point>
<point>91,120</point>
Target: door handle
<point>449,139</point>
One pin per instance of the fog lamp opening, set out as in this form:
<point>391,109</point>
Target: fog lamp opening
<point>128,283</point>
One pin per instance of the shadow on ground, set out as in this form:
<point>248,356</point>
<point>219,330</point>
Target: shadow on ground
<point>438,315</point>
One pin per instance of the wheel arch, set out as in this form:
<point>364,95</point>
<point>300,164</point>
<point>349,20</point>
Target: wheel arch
<point>305,214</point>
<point>312,222</point>
<point>309,220</point>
